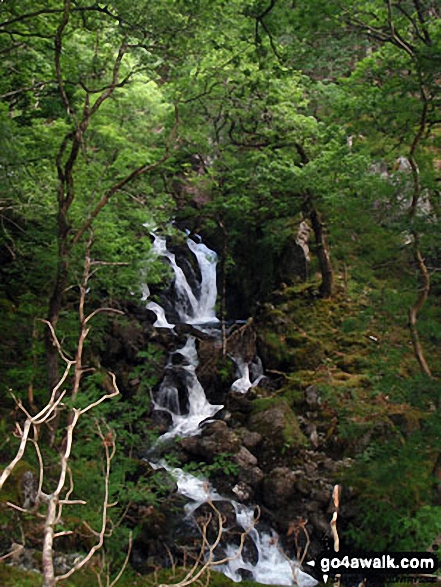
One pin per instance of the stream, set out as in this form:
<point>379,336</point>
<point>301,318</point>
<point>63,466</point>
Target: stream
<point>182,396</point>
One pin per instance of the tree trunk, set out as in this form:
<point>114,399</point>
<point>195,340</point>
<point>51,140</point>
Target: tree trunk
<point>417,306</point>
<point>54,309</point>
<point>55,304</point>
<point>48,553</point>
<point>56,299</point>
<point>423,291</point>
<point>321,245</point>
<point>322,250</point>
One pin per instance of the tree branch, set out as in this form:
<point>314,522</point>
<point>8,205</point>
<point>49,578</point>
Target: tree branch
<point>143,169</point>
<point>58,44</point>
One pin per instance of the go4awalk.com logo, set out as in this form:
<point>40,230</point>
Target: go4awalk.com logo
<point>394,564</point>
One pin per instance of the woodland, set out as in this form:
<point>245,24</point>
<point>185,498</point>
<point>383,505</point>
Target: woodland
<point>302,140</point>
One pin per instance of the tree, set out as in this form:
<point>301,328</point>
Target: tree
<point>60,497</point>
<point>261,141</point>
<point>402,67</point>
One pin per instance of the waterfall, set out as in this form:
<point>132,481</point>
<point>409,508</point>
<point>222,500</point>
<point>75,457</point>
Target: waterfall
<point>192,307</point>
<point>199,408</point>
<point>272,567</point>
<point>196,306</point>
<point>248,374</point>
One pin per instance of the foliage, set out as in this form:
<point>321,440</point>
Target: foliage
<point>241,119</point>
<point>222,463</point>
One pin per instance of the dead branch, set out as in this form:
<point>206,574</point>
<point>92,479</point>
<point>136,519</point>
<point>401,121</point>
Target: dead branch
<point>336,501</point>
<point>110,449</point>
<point>32,422</point>
<point>206,557</point>
<point>121,571</point>
<point>61,496</point>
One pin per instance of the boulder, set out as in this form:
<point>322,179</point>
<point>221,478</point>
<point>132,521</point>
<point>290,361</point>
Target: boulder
<point>249,472</point>
<point>251,439</point>
<point>216,438</point>
<point>245,459</point>
<point>252,476</point>
<point>279,487</point>
<point>277,424</point>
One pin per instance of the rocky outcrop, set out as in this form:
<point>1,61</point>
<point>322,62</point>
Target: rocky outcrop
<point>216,439</point>
<point>276,423</point>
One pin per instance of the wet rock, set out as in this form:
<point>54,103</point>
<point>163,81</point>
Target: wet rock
<point>224,508</point>
<point>304,486</point>
<point>313,437</point>
<point>279,487</point>
<point>249,472</point>
<point>246,574</point>
<point>321,495</point>
<point>251,439</point>
<point>242,491</point>
<point>318,519</point>
<point>29,489</point>
<point>159,526</point>
<point>161,420</point>
<point>310,468</point>
<point>238,403</point>
<point>216,438</point>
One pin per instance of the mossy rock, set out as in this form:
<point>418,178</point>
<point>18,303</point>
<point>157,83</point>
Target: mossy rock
<point>11,490</point>
<point>277,423</point>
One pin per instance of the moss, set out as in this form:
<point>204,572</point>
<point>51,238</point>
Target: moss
<point>276,422</point>
<point>264,403</point>
<point>294,395</point>
<point>11,490</point>
<point>15,577</point>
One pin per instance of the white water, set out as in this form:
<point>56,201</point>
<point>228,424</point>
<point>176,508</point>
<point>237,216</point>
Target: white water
<point>249,375</point>
<point>197,308</point>
<point>192,307</point>
<point>199,408</point>
<point>272,566</point>
<point>161,320</point>
<point>207,259</point>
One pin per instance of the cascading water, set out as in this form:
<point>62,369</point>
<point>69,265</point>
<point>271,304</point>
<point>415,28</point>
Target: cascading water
<point>192,307</point>
<point>195,306</point>
<point>199,408</point>
<point>249,374</point>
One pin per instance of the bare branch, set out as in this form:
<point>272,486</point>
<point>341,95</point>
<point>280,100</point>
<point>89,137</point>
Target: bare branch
<point>42,416</point>
<point>336,502</point>
<point>16,549</point>
<point>101,310</point>
<point>56,341</point>
<point>126,560</point>
<point>110,449</point>
<point>206,560</point>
